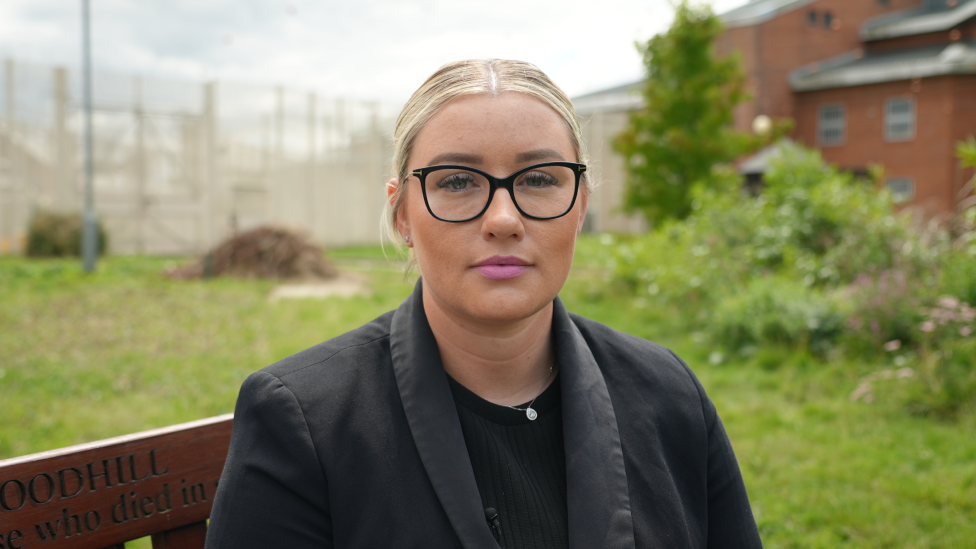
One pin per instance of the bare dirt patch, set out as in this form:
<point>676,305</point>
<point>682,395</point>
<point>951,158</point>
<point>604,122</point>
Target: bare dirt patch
<point>342,285</point>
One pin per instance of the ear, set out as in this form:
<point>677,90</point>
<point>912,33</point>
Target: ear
<point>402,220</point>
<point>584,200</point>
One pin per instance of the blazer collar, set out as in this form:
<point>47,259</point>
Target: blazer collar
<point>596,481</point>
<point>599,503</point>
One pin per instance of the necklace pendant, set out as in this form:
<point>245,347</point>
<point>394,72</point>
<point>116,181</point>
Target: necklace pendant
<point>531,414</point>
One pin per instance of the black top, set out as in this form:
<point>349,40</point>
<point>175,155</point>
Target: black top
<point>519,465</point>
<point>356,442</point>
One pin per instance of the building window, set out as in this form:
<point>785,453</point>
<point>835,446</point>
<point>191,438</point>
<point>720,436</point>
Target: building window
<point>900,119</point>
<point>828,20</point>
<point>902,189</point>
<point>832,125</point>
<point>812,18</point>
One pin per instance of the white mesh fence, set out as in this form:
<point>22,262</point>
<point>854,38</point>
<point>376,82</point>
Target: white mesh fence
<point>179,166</point>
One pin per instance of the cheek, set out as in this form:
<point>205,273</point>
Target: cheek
<point>436,244</point>
<point>557,241</point>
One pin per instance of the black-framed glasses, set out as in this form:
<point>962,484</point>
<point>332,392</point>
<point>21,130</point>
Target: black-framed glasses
<point>460,193</point>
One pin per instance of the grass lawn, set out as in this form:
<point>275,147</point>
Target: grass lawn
<point>88,357</point>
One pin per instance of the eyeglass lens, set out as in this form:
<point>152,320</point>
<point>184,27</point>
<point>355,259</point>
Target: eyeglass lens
<point>456,194</point>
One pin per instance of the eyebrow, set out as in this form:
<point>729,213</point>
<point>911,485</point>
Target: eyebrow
<point>538,154</point>
<point>459,158</point>
<point>464,158</point>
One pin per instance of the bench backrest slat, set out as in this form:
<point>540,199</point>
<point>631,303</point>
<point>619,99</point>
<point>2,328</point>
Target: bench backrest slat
<point>104,493</point>
<point>191,536</point>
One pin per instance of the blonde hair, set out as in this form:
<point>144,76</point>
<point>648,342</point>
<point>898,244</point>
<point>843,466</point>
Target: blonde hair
<point>473,77</point>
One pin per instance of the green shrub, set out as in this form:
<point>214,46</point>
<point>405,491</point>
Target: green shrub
<point>51,234</point>
<point>777,311</point>
<point>958,273</point>
<point>818,263</point>
<point>811,223</point>
<point>885,307</point>
<point>942,383</point>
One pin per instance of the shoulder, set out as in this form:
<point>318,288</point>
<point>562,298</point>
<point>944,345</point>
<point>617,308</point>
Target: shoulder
<point>661,408</point>
<point>349,346</point>
<point>628,360</point>
<point>329,365</point>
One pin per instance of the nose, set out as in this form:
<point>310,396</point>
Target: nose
<point>502,220</point>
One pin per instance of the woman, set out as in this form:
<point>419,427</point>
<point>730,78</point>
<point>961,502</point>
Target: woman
<point>481,413</point>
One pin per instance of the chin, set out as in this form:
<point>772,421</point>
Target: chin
<point>505,301</point>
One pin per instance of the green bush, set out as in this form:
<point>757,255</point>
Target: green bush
<point>778,311</point>
<point>958,273</point>
<point>817,263</point>
<point>811,223</point>
<point>884,307</point>
<point>51,234</point>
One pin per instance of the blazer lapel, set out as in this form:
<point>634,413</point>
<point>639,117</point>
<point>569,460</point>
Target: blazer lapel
<point>434,422</point>
<point>599,501</point>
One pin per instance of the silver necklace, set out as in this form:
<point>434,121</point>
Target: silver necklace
<point>529,411</point>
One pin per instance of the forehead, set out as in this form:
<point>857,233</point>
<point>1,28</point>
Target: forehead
<point>496,128</point>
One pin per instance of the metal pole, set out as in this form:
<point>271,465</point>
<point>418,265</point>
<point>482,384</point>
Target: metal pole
<point>89,239</point>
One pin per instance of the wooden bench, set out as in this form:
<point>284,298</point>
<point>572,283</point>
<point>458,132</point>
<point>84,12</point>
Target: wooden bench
<point>99,495</point>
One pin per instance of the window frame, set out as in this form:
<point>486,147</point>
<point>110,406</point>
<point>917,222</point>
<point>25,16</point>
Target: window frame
<point>904,199</point>
<point>889,137</point>
<point>821,127</point>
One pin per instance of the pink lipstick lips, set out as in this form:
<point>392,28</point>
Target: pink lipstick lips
<point>502,267</point>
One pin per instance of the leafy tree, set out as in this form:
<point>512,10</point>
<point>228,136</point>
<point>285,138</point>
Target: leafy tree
<point>964,224</point>
<point>966,152</point>
<point>685,127</point>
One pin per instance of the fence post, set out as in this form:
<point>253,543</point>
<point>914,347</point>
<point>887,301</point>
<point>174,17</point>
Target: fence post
<point>341,173</point>
<point>64,199</point>
<point>310,173</point>
<point>278,178</point>
<point>267,168</point>
<point>210,162</point>
<point>10,151</point>
<point>373,197</point>
<point>140,166</point>
<point>596,128</point>
<point>326,214</point>
<point>5,151</point>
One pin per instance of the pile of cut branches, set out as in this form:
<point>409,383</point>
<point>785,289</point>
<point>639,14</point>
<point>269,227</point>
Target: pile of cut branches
<point>263,252</point>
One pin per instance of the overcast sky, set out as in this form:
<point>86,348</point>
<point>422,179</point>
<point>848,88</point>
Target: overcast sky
<point>364,49</point>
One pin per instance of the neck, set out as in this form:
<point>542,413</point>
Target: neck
<point>504,363</point>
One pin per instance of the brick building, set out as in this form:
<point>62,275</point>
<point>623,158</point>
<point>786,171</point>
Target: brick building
<point>889,82</point>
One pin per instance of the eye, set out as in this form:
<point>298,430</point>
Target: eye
<point>538,179</point>
<point>456,182</point>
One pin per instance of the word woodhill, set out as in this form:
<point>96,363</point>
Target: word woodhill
<point>98,491</point>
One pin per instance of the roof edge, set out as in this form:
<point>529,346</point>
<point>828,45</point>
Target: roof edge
<point>894,26</point>
<point>954,59</point>
<point>748,18</point>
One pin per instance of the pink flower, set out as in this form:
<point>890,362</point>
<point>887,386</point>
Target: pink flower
<point>927,326</point>
<point>948,302</point>
<point>965,331</point>
<point>967,313</point>
<point>892,345</point>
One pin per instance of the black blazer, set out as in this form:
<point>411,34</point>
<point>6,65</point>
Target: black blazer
<point>356,442</point>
